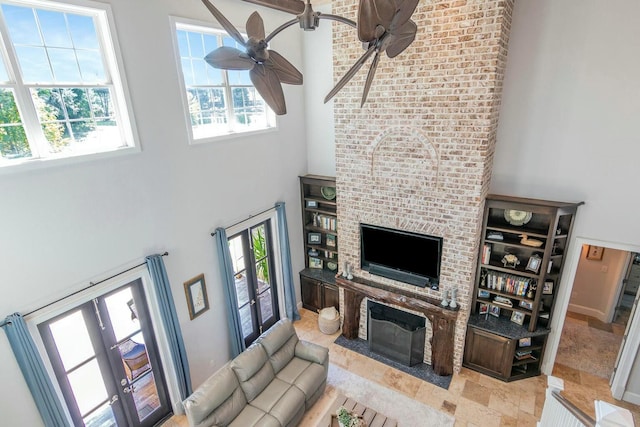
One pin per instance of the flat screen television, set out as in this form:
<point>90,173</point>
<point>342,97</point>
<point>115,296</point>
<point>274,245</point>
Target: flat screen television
<point>401,255</point>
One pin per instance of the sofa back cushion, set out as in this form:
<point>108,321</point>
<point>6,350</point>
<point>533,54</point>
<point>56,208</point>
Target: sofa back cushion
<point>217,401</point>
<point>253,371</point>
<point>280,343</point>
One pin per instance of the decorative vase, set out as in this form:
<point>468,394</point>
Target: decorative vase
<point>445,302</point>
<point>454,294</point>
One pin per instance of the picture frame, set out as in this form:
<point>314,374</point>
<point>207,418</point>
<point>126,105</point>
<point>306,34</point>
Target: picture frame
<point>526,304</point>
<point>331,240</point>
<point>315,262</point>
<point>312,204</point>
<point>314,238</point>
<point>524,342</point>
<point>534,263</point>
<point>547,289</point>
<point>483,293</point>
<point>494,310</point>
<point>517,317</point>
<point>196,292</point>
<point>595,253</point>
<point>484,308</point>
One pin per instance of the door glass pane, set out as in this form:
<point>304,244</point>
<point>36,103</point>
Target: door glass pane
<point>88,386</point>
<point>237,253</point>
<point>122,315</point>
<point>246,319</point>
<point>242,288</point>
<point>72,339</point>
<point>145,396</point>
<point>101,417</point>
<point>266,306</point>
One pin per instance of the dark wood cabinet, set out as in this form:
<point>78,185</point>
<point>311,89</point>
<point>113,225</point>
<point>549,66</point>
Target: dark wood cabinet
<point>520,262</point>
<point>319,220</point>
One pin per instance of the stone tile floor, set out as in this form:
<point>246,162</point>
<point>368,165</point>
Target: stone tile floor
<point>472,398</point>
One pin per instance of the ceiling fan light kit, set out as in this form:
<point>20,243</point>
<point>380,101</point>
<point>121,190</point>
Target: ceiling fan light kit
<point>383,26</point>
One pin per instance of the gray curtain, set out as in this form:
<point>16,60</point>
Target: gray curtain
<point>155,264</point>
<point>291,308</point>
<point>233,315</point>
<point>34,372</point>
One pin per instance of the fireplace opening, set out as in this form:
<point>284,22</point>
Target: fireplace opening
<point>395,334</point>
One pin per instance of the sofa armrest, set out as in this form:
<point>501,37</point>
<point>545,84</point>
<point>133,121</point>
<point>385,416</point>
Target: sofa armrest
<point>312,352</point>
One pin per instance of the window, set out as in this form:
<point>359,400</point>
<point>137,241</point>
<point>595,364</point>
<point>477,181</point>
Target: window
<point>60,91</point>
<point>217,102</point>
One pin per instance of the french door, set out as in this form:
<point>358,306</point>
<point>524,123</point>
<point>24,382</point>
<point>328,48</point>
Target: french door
<point>106,361</point>
<point>251,254</point>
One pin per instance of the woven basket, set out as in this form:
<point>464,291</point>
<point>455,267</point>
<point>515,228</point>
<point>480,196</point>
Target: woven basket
<point>329,320</point>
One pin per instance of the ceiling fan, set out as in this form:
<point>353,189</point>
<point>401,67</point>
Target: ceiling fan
<point>383,26</point>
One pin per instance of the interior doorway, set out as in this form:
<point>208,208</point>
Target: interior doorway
<point>598,312</point>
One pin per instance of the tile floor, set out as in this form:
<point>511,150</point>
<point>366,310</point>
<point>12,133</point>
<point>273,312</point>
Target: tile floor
<point>472,398</point>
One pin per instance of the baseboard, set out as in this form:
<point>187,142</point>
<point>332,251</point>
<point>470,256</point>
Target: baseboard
<point>587,311</point>
<point>631,397</point>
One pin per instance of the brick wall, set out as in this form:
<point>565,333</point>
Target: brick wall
<point>418,155</point>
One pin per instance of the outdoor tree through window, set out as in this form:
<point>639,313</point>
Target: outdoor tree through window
<point>60,92</point>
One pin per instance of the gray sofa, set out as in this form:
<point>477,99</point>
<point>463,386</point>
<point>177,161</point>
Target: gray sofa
<point>271,383</point>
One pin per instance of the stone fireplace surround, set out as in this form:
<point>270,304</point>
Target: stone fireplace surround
<point>418,156</point>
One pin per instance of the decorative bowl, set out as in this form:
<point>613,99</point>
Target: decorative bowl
<point>328,193</point>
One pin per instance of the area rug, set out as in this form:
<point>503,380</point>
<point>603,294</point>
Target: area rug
<point>422,370</point>
<point>588,349</point>
<point>408,412</point>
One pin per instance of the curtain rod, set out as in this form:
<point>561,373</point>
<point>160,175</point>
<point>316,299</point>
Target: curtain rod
<point>91,284</point>
<point>248,218</point>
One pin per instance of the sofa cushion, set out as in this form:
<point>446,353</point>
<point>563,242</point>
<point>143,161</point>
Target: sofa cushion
<point>280,400</point>
<point>313,353</point>
<point>252,416</point>
<point>217,401</point>
<point>253,371</point>
<point>279,342</point>
<point>306,376</point>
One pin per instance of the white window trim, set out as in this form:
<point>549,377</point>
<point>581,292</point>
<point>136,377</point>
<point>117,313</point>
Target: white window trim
<point>271,214</point>
<point>66,304</point>
<point>111,50</point>
<point>196,25</point>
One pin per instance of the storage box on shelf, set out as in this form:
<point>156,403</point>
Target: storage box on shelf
<point>320,233</point>
<point>520,264</point>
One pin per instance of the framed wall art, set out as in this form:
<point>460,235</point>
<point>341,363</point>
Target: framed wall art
<point>314,238</point>
<point>196,292</point>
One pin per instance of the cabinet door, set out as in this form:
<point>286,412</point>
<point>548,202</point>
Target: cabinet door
<point>489,353</point>
<point>331,296</point>
<point>311,292</point>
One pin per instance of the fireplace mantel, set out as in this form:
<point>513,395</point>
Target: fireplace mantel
<point>442,320</point>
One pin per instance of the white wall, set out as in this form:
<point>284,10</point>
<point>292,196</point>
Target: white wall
<point>597,282</point>
<point>568,125</point>
<point>64,226</point>
<point>318,80</point>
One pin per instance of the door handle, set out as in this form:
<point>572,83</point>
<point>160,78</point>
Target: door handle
<point>128,389</point>
<point>253,302</point>
<point>113,400</point>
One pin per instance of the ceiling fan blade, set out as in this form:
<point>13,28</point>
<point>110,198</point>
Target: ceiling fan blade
<point>404,12</point>
<point>226,24</point>
<point>352,72</point>
<point>268,86</point>
<point>229,58</point>
<point>374,13</point>
<point>286,72</point>
<point>372,72</point>
<point>404,36</point>
<point>295,7</point>
<point>255,26</point>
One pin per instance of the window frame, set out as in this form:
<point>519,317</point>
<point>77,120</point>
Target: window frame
<point>116,82</point>
<point>184,24</point>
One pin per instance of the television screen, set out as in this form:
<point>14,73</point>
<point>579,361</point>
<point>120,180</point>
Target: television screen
<point>400,255</point>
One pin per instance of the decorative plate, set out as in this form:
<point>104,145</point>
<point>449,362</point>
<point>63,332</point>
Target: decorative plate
<point>516,217</point>
<point>332,266</point>
<point>328,193</point>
